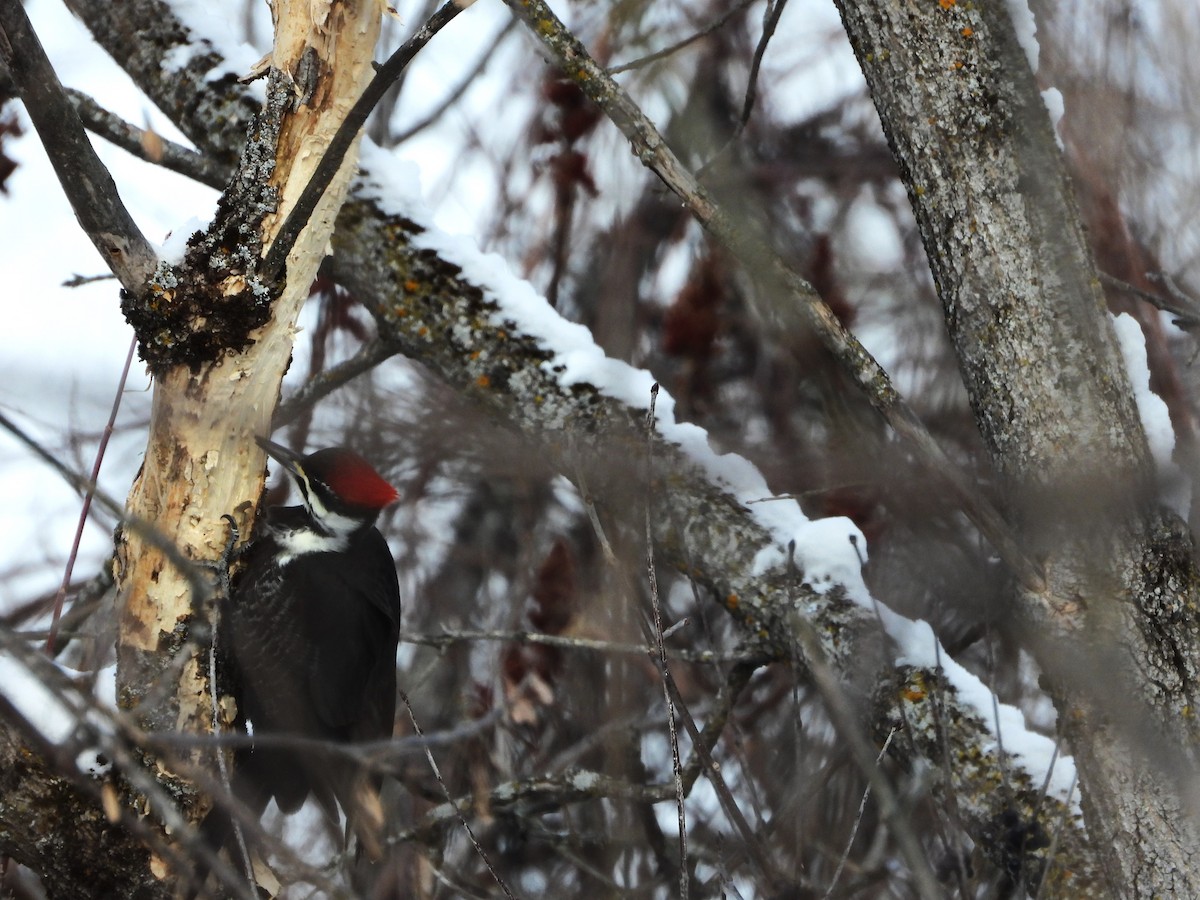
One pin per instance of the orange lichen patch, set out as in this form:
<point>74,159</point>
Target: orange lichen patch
<point>411,286</point>
<point>958,64</point>
<point>946,4</point>
<point>914,695</point>
<point>483,381</point>
<point>732,601</point>
<point>967,32</point>
<point>475,354</point>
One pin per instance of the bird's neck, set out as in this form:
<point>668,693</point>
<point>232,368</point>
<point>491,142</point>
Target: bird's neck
<point>329,522</point>
<point>300,532</point>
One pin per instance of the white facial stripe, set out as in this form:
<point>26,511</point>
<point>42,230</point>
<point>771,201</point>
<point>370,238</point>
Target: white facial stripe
<point>335,523</point>
<point>298,543</point>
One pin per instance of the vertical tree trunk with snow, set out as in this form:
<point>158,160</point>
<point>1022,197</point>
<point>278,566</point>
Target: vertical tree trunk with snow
<point>201,462</point>
<point>1023,304</point>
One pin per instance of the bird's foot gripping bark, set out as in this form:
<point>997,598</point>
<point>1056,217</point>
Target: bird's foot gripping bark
<point>229,556</point>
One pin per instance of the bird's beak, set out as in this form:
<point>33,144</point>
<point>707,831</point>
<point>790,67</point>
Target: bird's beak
<point>285,456</point>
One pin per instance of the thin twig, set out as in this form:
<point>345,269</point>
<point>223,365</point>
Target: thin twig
<point>862,807</point>
<point>86,506</point>
<point>845,722</point>
<point>664,668</point>
<point>1036,814</point>
<point>939,724</point>
<point>194,574</point>
<point>703,657</point>
<point>384,756</point>
<point>1177,303</point>
<point>768,871</point>
<point>770,20</point>
<point>771,16</point>
<point>213,650</point>
<point>273,264</point>
<point>679,45</point>
<point>78,280</point>
<point>460,89</point>
<point>84,179</point>
<point>368,357</point>
<point>437,773</point>
<point>1052,851</point>
<point>589,505</point>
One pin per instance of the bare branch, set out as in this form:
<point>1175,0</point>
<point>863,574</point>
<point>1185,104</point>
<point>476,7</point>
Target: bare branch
<point>703,657</point>
<point>86,506</point>
<point>195,574</point>
<point>462,819</point>
<point>459,89</point>
<point>86,182</point>
<point>146,145</point>
<point>1178,303</point>
<point>704,32</point>
<point>847,723</point>
<point>663,666</point>
<point>367,358</point>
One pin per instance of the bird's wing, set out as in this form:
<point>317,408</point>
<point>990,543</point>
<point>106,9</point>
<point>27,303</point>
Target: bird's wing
<point>353,625</point>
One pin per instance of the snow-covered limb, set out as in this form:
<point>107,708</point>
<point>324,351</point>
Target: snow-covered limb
<point>799,307</point>
<point>480,330</point>
<point>767,562</point>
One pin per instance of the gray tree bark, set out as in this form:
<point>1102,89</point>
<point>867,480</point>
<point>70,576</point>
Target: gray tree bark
<point>1023,304</point>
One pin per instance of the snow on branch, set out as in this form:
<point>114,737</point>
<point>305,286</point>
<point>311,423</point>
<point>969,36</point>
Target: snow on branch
<point>465,316</point>
<point>468,319</point>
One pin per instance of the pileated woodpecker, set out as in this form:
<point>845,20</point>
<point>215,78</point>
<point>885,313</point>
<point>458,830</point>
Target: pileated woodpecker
<point>310,634</point>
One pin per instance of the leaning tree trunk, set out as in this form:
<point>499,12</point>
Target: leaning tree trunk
<point>218,347</point>
<point>1023,303</point>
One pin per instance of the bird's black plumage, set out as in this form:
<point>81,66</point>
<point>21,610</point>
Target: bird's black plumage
<point>311,645</point>
<point>308,643</point>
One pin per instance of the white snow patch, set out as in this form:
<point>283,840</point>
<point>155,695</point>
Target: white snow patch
<point>211,25</point>
<point>1156,420</point>
<point>916,645</point>
<point>584,780</point>
<point>1055,106</point>
<point>1026,28</point>
<point>174,245</point>
<point>105,687</point>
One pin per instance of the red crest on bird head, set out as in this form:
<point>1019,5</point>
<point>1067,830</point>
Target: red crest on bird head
<point>350,477</point>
